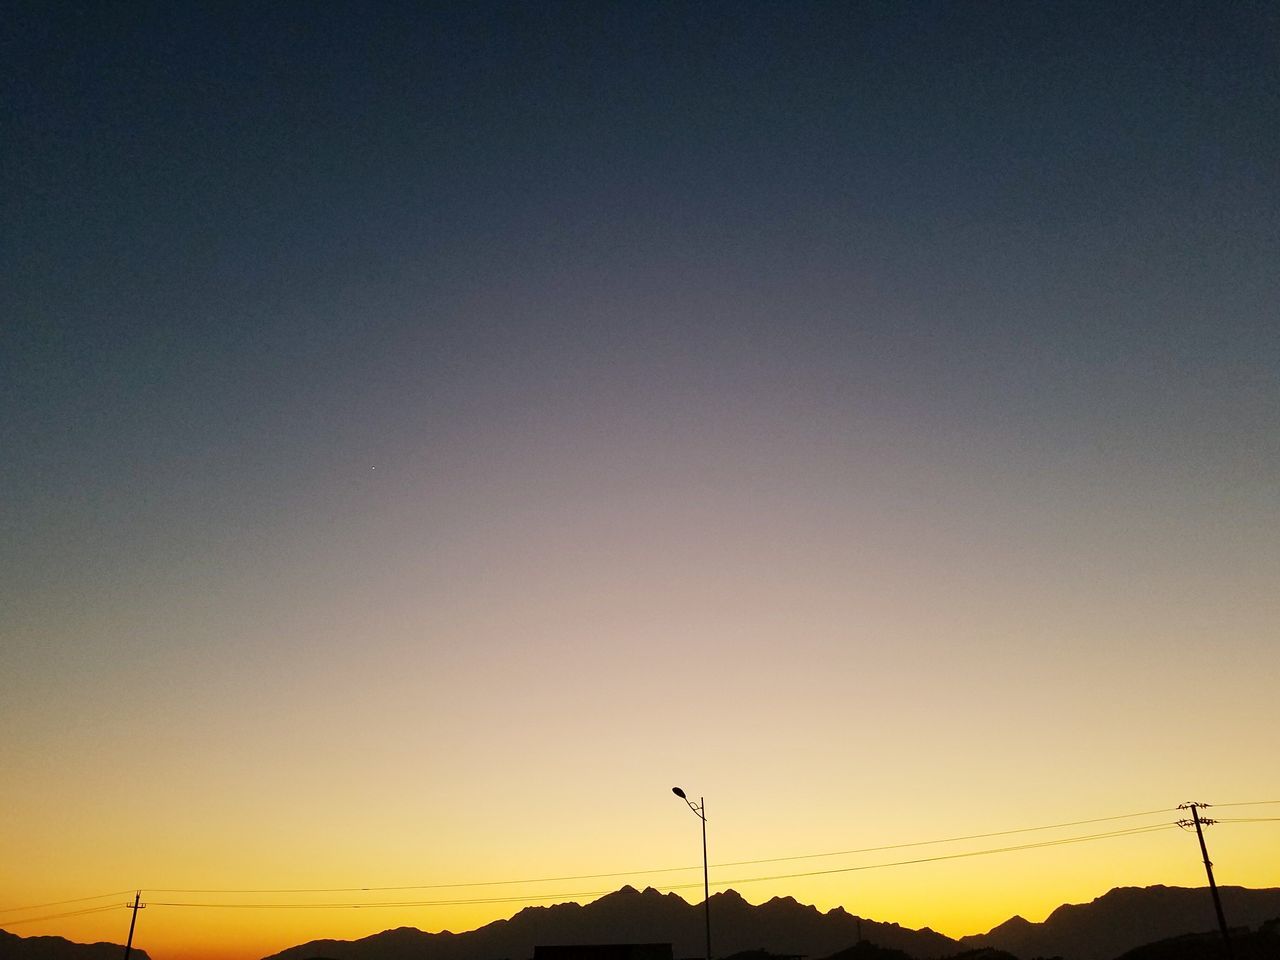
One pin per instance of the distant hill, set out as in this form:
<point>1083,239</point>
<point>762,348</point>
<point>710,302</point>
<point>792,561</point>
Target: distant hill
<point>1261,944</point>
<point>780,926</point>
<point>1126,918</point>
<point>14,947</point>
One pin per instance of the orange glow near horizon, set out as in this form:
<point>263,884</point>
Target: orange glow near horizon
<point>956,897</point>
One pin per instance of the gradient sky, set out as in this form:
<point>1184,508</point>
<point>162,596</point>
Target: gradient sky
<point>427,434</point>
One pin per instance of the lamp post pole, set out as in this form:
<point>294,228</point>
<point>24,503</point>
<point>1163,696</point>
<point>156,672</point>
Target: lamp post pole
<point>700,808</point>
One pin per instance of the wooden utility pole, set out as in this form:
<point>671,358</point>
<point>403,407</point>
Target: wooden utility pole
<point>1199,822</point>
<point>136,906</point>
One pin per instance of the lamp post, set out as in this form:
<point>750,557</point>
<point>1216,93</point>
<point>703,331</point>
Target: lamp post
<point>700,808</point>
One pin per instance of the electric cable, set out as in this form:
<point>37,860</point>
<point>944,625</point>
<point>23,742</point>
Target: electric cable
<point>59,903</point>
<point>1132,831</point>
<point>669,887</point>
<point>65,916</point>
<point>651,871</point>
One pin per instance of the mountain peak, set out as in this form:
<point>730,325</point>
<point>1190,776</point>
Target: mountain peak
<point>1016,922</point>
<point>628,893</point>
<point>784,901</point>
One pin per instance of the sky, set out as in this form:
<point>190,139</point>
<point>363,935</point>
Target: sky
<point>428,433</point>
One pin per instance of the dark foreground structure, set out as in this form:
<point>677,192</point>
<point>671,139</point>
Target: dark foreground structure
<point>605,951</point>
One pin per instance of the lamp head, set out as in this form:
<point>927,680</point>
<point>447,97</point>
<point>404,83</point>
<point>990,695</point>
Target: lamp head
<point>679,793</point>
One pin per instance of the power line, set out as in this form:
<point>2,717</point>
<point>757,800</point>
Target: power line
<point>1248,819</point>
<point>670,887</point>
<point>392,903</point>
<point>1132,831</point>
<point>926,843</point>
<point>649,872</point>
<point>59,903</point>
<point>1251,803</point>
<point>1153,828</point>
<point>63,916</point>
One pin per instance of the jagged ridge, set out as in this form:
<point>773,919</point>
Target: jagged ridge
<point>781,926</point>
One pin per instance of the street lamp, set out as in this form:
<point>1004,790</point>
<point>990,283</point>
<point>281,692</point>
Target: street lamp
<point>700,808</point>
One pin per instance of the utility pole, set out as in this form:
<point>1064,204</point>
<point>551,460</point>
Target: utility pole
<point>1198,822</point>
<point>135,906</point>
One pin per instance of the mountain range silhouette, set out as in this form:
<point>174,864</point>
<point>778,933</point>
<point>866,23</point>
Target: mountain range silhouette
<point>628,915</point>
<point>14,947</point>
<point>1128,917</point>
<point>1133,923</point>
<point>1120,920</point>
